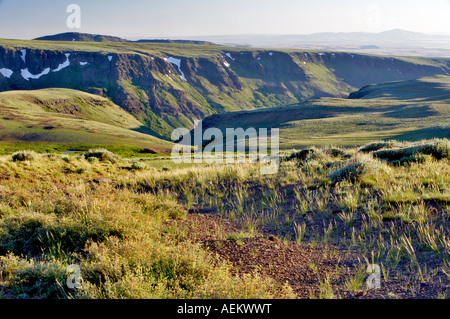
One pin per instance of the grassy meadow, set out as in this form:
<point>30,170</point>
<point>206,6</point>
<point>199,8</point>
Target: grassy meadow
<point>136,228</point>
<point>60,120</point>
<point>400,110</point>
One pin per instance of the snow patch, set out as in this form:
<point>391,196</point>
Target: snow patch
<point>27,75</point>
<point>306,54</point>
<point>110,57</point>
<point>229,55</point>
<point>24,55</point>
<point>83,63</point>
<point>271,53</point>
<point>259,58</point>
<point>226,64</point>
<point>63,65</point>
<point>177,62</point>
<point>6,72</point>
<point>321,53</point>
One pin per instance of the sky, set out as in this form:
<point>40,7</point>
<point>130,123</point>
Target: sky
<point>133,19</point>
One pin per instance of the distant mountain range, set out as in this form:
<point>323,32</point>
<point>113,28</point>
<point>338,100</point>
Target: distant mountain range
<point>393,42</point>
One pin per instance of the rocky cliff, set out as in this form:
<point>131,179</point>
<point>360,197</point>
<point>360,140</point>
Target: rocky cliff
<point>171,85</point>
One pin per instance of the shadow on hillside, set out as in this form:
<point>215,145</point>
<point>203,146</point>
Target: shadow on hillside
<point>425,133</point>
<point>146,130</point>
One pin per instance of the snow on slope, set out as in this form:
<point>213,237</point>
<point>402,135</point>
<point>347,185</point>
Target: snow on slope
<point>27,75</point>
<point>63,65</point>
<point>6,72</point>
<point>177,62</point>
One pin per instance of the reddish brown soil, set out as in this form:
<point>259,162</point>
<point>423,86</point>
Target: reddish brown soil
<point>303,267</point>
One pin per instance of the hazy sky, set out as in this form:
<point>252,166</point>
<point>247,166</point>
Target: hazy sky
<point>25,19</point>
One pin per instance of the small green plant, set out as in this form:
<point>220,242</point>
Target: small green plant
<point>300,231</point>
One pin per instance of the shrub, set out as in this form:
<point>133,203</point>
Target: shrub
<point>24,156</point>
<point>335,152</point>
<point>351,172</point>
<point>419,158</point>
<point>354,169</point>
<point>102,155</point>
<point>65,158</point>
<point>439,149</point>
<point>372,147</point>
<point>138,166</point>
<point>30,278</point>
<point>302,155</point>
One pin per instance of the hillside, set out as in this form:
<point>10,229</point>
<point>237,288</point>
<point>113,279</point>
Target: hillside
<point>435,88</point>
<point>69,116</point>
<point>84,37</point>
<point>169,85</point>
<point>404,110</point>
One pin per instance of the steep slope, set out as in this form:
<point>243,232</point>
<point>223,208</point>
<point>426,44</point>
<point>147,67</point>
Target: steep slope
<point>169,85</point>
<point>69,116</point>
<point>408,110</point>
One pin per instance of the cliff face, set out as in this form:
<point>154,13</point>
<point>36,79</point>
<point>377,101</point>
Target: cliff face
<point>166,91</point>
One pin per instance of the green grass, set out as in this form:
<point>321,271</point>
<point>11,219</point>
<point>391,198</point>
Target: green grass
<point>129,240</point>
<point>125,151</point>
<point>116,234</point>
<point>350,122</point>
<point>63,116</point>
